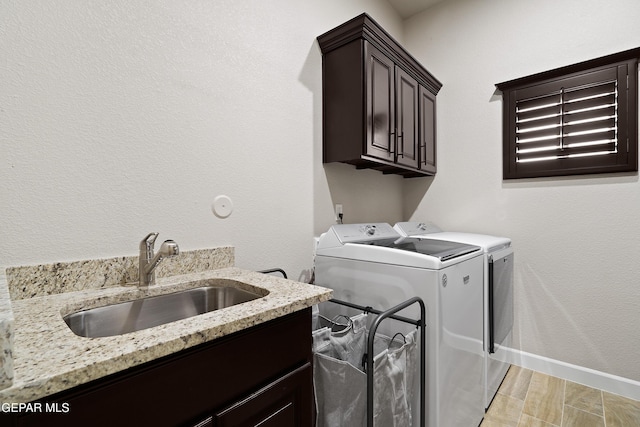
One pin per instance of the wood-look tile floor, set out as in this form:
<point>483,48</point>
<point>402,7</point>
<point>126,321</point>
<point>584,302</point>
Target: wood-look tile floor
<point>530,399</point>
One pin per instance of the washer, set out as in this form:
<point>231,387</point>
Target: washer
<point>498,295</point>
<point>363,265</point>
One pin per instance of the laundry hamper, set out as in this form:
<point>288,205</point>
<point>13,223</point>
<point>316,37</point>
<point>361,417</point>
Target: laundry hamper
<point>340,379</point>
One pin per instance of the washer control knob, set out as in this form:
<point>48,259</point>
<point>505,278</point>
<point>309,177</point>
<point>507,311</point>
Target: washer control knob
<point>369,230</point>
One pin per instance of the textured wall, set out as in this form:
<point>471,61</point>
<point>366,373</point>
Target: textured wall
<point>120,118</point>
<point>576,239</point>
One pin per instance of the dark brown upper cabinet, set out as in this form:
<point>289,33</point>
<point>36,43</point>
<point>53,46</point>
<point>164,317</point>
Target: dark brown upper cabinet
<point>379,103</point>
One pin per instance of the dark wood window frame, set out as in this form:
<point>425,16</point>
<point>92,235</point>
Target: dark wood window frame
<point>580,119</point>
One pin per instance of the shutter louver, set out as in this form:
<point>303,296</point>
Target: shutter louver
<point>572,122</point>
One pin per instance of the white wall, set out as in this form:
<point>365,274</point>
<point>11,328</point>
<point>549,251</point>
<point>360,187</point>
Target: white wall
<point>119,118</point>
<point>576,239</point>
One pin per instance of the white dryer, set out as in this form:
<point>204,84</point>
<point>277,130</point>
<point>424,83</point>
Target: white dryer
<point>498,295</point>
<point>363,265</point>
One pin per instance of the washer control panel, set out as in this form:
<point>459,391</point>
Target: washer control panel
<point>416,228</point>
<point>363,233</point>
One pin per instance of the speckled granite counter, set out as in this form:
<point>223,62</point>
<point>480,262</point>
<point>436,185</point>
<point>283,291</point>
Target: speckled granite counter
<point>6,335</point>
<point>48,357</point>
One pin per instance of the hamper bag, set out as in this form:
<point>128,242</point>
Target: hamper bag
<point>340,382</point>
<point>395,371</point>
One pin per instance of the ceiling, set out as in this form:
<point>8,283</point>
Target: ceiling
<point>407,8</point>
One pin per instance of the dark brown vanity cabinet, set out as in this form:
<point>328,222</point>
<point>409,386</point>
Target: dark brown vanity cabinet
<point>276,405</point>
<point>258,376</point>
<point>378,102</point>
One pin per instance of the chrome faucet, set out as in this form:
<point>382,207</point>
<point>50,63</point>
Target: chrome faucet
<point>148,261</point>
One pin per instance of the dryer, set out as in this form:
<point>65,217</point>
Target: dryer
<point>363,265</point>
<point>497,295</point>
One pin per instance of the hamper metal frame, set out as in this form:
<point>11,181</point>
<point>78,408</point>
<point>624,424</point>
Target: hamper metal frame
<point>382,315</point>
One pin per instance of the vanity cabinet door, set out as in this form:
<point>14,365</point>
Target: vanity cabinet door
<point>285,402</point>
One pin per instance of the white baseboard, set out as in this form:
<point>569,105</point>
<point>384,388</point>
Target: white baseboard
<point>578,374</point>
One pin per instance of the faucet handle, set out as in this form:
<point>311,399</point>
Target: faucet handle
<point>149,241</point>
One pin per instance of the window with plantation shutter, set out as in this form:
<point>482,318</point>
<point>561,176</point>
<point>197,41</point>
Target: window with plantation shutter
<point>579,119</point>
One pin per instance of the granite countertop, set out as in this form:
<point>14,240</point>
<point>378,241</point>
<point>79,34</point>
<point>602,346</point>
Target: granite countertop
<point>48,357</point>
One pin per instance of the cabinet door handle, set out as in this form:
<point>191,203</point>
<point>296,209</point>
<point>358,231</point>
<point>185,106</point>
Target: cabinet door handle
<point>401,138</point>
<point>424,158</point>
<point>392,142</point>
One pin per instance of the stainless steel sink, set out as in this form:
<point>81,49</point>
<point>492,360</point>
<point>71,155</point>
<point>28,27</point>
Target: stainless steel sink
<point>130,316</point>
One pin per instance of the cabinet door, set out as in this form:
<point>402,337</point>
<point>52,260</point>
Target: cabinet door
<point>407,94</point>
<point>427,130</point>
<point>287,402</point>
<point>379,104</point>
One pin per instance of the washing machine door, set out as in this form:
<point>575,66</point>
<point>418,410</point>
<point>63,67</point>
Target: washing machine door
<point>442,250</point>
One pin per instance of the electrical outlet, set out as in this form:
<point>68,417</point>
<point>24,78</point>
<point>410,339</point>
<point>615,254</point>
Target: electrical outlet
<point>339,213</point>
